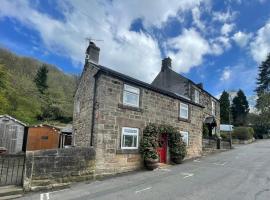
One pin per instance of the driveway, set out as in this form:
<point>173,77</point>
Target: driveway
<point>242,173</point>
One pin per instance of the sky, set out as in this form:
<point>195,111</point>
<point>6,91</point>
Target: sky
<point>220,43</point>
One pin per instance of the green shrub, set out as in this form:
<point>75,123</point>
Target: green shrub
<point>205,131</point>
<point>243,133</point>
<point>177,146</point>
<point>224,135</point>
<point>149,142</point>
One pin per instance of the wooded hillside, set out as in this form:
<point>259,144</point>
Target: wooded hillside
<point>19,96</point>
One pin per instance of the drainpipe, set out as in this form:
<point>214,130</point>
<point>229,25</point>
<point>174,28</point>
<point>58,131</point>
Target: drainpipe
<point>94,109</point>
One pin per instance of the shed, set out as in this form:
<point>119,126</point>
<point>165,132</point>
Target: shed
<point>66,136</point>
<point>43,137</point>
<point>12,134</point>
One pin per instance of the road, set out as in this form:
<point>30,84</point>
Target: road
<point>240,174</point>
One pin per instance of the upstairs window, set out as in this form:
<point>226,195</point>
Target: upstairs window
<point>197,96</point>
<point>131,96</point>
<point>130,138</point>
<point>213,108</point>
<point>184,111</point>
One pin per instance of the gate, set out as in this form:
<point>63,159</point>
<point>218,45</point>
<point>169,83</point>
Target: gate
<point>12,168</point>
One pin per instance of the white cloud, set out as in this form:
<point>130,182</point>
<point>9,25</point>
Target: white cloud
<point>242,38</point>
<point>187,50</point>
<point>196,15</point>
<point>227,28</point>
<point>226,74</point>
<point>133,53</point>
<point>260,46</point>
<point>227,16</point>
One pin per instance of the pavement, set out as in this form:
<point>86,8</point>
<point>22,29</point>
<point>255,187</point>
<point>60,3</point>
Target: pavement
<point>239,174</point>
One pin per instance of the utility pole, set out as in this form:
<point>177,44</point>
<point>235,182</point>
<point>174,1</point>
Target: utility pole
<point>230,123</point>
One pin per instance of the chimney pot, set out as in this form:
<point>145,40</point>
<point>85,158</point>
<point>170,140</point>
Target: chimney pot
<point>166,64</point>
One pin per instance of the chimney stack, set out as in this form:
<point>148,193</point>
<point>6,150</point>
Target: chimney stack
<point>166,64</point>
<point>92,53</point>
<point>200,85</point>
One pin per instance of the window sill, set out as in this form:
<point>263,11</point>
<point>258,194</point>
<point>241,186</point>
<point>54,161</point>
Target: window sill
<point>129,107</point>
<point>127,151</point>
<point>184,120</point>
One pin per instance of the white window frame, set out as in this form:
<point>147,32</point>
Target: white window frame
<point>213,108</point>
<point>132,90</point>
<point>187,136</point>
<point>184,106</point>
<point>197,96</point>
<point>133,134</point>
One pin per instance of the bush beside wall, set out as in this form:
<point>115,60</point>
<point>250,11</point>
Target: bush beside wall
<point>243,133</point>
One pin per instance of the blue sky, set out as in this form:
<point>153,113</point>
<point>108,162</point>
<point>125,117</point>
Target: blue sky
<point>219,43</point>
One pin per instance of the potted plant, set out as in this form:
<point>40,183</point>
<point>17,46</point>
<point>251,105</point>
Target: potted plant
<point>177,148</point>
<point>148,146</point>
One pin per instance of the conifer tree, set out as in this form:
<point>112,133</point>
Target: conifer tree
<point>41,79</point>
<point>240,109</point>
<point>224,108</point>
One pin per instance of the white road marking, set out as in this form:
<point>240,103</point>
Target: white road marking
<point>165,169</point>
<point>186,175</point>
<point>196,160</point>
<point>57,191</point>
<point>220,164</point>
<point>138,191</point>
<point>47,195</point>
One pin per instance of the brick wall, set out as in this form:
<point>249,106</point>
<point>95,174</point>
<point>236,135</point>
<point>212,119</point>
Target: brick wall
<point>46,169</point>
<point>111,116</point>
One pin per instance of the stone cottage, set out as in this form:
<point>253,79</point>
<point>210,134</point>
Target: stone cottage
<point>111,110</point>
<point>169,80</point>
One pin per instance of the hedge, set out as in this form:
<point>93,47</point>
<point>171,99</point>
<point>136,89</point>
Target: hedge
<point>243,133</point>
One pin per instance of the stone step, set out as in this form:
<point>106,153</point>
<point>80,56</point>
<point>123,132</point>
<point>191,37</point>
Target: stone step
<point>10,190</point>
<point>11,197</point>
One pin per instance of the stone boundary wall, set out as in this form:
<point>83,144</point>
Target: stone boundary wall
<point>47,169</point>
<point>237,141</point>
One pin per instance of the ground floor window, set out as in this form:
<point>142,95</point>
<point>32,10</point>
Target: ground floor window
<point>130,138</point>
<point>185,136</point>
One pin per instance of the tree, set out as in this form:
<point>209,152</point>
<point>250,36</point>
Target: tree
<point>263,81</point>
<point>4,103</point>
<point>41,79</point>
<point>224,108</point>
<point>240,109</point>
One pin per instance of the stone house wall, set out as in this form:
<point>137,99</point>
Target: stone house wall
<point>206,101</point>
<point>83,107</point>
<point>111,115</point>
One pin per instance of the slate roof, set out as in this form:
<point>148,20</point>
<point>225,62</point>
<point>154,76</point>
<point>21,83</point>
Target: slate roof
<point>137,82</point>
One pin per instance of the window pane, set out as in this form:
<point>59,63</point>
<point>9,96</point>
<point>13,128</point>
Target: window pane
<point>131,98</point>
<point>185,137</point>
<point>184,113</point>
<point>128,140</point>
<point>183,110</point>
<point>197,96</point>
<point>131,89</point>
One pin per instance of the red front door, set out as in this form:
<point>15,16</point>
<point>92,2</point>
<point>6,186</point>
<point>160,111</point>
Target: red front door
<point>162,150</point>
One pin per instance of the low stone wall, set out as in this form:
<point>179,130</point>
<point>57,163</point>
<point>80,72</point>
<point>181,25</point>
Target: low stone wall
<point>237,141</point>
<point>47,169</point>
